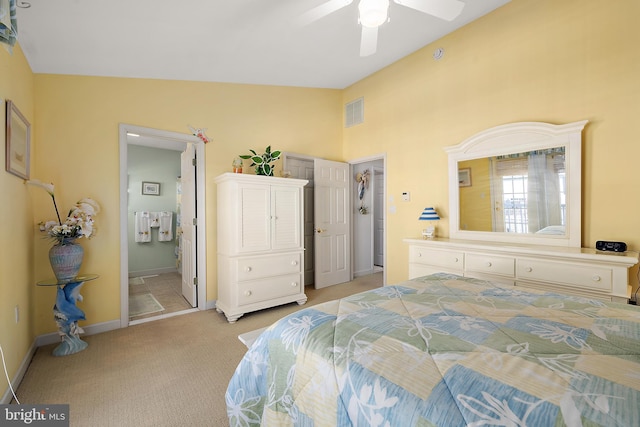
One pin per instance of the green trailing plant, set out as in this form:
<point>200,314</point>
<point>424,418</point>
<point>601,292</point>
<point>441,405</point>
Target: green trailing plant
<point>262,163</point>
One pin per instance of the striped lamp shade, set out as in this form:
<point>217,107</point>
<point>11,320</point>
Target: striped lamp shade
<point>429,214</point>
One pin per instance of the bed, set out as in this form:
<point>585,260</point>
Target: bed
<point>444,350</point>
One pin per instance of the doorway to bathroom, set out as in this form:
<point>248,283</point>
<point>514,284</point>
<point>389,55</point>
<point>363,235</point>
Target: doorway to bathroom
<point>162,244</point>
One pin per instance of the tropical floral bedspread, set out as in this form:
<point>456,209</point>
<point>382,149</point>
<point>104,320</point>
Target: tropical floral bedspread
<point>443,350</point>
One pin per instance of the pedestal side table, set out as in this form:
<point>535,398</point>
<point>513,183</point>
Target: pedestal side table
<point>67,314</point>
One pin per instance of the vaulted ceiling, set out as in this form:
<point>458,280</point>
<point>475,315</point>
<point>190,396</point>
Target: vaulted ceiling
<point>236,41</point>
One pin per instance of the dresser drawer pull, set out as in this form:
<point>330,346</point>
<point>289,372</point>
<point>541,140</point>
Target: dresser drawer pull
<point>294,262</point>
<point>247,293</point>
<point>456,259</point>
<point>294,284</point>
<point>528,269</point>
<point>488,264</point>
<point>248,269</point>
<point>595,278</point>
<point>419,254</point>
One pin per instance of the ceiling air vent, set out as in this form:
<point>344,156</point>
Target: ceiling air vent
<point>354,113</point>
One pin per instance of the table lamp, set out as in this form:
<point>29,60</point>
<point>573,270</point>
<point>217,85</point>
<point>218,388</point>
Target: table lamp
<point>429,214</point>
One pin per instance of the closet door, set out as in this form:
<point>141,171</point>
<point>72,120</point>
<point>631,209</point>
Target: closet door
<point>255,217</point>
<point>286,217</point>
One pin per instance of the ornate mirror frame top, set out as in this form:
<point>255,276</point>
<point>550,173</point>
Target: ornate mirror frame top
<point>522,137</point>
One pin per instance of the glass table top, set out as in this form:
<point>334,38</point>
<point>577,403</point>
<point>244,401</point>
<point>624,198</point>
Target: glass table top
<point>55,282</point>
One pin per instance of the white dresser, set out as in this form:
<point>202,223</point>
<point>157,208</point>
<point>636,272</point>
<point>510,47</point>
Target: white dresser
<point>260,243</point>
<point>576,271</point>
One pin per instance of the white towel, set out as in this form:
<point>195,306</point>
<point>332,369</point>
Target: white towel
<point>165,233</point>
<point>154,219</point>
<point>142,230</point>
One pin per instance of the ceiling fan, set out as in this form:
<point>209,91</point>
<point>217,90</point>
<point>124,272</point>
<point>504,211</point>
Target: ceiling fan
<point>374,13</point>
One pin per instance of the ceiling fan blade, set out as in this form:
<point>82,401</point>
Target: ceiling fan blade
<point>321,11</point>
<point>369,41</point>
<point>443,9</point>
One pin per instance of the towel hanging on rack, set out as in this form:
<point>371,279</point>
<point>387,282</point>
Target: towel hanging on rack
<point>142,229</point>
<point>154,219</point>
<point>165,233</point>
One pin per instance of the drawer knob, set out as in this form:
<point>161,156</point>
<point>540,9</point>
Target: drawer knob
<point>595,278</point>
<point>247,293</point>
<point>294,262</point>
<point>456,259</point>
<point>419,254</point>
<point>294,284</point>
<point>488,264</point>
<point>528,269</point>
<point>248,269</point>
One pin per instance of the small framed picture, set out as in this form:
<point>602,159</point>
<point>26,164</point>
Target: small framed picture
<point>18,142</point>
<point>464,177</point>
<point>151,188</point>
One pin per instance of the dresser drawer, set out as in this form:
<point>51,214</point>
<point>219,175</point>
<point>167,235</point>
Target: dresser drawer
<point>490,264</point>
<point>267,289</point>
<point>251,268</point>
<point>583,276</point>
<point>437,258</point>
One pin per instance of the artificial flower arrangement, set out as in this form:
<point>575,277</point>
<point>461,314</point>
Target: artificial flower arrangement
<point>79,222</point>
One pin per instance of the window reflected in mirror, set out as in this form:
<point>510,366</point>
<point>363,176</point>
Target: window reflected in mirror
<point>515,193</point>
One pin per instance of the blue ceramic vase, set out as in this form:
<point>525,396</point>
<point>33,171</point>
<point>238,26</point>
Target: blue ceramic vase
<point>66,259</point>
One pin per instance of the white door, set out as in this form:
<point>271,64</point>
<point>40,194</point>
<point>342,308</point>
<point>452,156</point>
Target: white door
<point>378,217</point>
<point>331,216</point>
<point>187,216</point>
<point>303,169</point>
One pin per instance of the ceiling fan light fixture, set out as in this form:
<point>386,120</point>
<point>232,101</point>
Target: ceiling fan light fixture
<point>373,13</point>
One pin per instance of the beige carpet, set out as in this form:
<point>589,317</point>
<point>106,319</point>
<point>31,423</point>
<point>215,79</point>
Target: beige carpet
<point>143,304</point>
<point>171,372</point>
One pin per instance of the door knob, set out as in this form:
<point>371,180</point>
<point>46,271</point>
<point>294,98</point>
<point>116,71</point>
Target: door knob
<point>319,230</point>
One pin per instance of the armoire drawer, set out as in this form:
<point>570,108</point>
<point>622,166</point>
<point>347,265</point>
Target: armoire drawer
<point>584,276</point>
<point>251,268</point>
<point>437,258</point>
<point>490,264</point>
<point>267,289</point>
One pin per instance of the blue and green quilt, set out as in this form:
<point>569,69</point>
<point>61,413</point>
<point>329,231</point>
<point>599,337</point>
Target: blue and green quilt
<point>444,350</point>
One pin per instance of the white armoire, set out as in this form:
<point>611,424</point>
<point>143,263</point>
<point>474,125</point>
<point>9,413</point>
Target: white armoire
<point>260,243</point>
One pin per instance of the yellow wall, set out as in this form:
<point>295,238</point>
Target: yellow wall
<point>17,284</point>
<point>530,60</point>
<point>78,121</point>
<point>475,200</point>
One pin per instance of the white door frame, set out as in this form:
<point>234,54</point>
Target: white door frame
<point>172,141</point>
<point>383,157</point>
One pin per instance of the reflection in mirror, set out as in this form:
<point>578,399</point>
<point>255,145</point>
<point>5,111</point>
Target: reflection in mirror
<point>519,182</point>
<point>514,193</point>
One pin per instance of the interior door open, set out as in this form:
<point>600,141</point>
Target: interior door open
<point>332,245</point>
<point>187,220</point>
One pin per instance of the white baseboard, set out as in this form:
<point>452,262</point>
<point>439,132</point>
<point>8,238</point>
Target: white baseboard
<point>54,337</point>
<point>17,378</point>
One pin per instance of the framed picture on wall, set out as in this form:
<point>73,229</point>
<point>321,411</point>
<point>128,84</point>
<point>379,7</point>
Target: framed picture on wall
<point>464,177</point>
<point>150,188</point>
<point>18,142</point>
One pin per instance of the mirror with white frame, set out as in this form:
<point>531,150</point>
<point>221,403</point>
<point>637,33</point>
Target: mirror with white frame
<point>518,183</point>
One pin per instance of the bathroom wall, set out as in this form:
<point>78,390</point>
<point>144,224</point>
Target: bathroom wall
<point>152,165</point>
